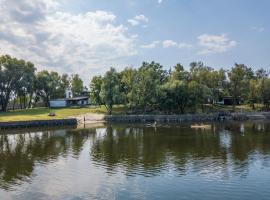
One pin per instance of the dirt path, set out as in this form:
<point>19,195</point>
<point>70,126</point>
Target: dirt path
<point>90,118</point>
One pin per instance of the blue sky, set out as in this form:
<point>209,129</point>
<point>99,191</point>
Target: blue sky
<point>88,37</point>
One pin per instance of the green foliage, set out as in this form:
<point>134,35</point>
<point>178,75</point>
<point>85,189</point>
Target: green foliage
<point>16,78</point>
<point>110,89</point>
<point>149,88</point>
<point>76,85</point>
<point>95,88</point>
<point>240,76</point>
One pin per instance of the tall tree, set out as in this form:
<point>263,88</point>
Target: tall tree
<point>76,85</point>
<point>150,78</point>
<point>95,90</point>
<point>15,76</point>
<point>239,76</point>
<point>253,92</point>
<point>47,85</point>
<point>110,90</point>
<point>129,80</point>
<point>261,77</point>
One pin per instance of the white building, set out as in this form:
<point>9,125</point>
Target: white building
<point>69,101</point>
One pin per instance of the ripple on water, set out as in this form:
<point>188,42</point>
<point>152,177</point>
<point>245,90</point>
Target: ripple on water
<point>136,163</point>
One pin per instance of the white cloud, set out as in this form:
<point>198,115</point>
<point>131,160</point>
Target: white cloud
<point>133,22</point>
<point>160,1</point>
<point>85,43</point>
<point>138,20</point>
<point>215,43</point>
<point>184,46</point>
<point>141,18</point>
<point>152,45</point>
<point>167,44</point>
<point>258,29</point>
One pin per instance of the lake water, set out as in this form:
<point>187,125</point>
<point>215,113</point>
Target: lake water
<point>228,161</point>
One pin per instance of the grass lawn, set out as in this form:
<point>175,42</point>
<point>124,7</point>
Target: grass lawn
<point>42,113</point>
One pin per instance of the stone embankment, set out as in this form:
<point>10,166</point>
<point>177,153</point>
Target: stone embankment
<point>100,118</point>
<point>214,117</point>
<point>38,123</point>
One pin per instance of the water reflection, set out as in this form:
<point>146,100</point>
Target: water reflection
<point>20,153</point>
<point>225,151</point>
<point>145,151</point>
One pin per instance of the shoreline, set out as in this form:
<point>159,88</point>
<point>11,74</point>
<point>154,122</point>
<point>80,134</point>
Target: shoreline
<point>38,123</point>
<point>90,119</point>
<point>193,118</point>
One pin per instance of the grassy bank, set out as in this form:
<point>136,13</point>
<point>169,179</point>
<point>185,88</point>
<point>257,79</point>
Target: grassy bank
<point>61,113</point>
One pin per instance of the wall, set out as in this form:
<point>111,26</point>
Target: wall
<point>38,123</point>
<point>187,117</point>
<point>58,104</point>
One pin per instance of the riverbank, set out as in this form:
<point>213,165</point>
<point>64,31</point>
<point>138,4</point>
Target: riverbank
<point>191,118</point>
<point>93,115</point>
<point>38,123</point>
<point>60,113</point>
<point>213,117</point>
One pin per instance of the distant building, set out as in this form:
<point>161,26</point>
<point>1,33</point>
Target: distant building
<point>70,100</point>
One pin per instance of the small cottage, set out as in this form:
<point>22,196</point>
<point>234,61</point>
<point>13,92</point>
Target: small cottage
<point>69,101</point>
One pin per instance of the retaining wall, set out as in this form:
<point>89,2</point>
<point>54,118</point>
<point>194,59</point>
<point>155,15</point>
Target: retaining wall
<point>38,123</point>
<point>187,117</point>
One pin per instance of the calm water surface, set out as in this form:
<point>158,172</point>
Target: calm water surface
<point>229,161</point>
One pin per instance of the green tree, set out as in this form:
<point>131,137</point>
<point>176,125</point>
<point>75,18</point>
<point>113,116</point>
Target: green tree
<point>253,92</point>
<point>197,94</point>
<point>47,85</point>
<point>151,76</point>
<point>175,96</point>
<point>76,85</point>
<point>266,92</point>
<point>95,90</point>
<point>24,88</point>
<point>64,85</point>
<point>16,76</point>
<point>261,77</point>
<point>240,76</point>
<point>110,90</point>
<point>129,80</point>
<point>214,80</point>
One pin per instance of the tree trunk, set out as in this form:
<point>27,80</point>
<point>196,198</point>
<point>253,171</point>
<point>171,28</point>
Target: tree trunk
<point>5,101</point>
<point>202,107</point>
<point>110,109</point>
<point>253,105</point>
<point>24,101</point>
<point>234,103</point>
<point>30,100</point>
<point>14,101</point>
<point>20,102</point>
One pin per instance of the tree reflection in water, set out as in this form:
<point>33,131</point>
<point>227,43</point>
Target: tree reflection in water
<point>221,152</point>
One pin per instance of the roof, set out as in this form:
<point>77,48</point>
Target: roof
<point>77,98</point>
<point>71,99</point>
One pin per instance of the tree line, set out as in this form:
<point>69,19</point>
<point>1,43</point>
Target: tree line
<point>145,89</point>
<point>21,84</point>
<point>176,91</point>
